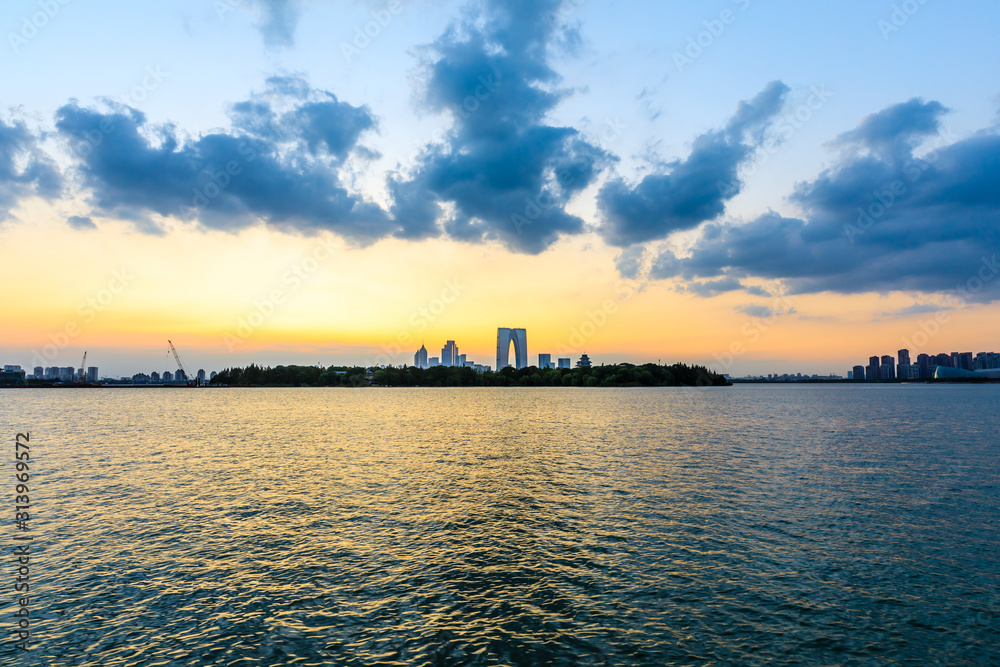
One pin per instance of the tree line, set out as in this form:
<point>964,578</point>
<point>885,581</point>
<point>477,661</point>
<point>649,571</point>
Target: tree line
<point>616,375</point>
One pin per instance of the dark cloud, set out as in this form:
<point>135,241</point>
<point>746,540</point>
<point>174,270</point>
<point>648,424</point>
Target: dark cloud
<point>25,170</point>
<point>279,163</point>
<point>916,309</point>
<point>693,190</point>
<point>503,173</point>
<point>81,222</point>
<point>629,262</point>
<point>888,217</point>
<point>712,288</point>
<point>756,310</point>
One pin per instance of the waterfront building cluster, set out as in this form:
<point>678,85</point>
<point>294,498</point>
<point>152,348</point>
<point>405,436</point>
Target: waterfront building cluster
<point>506,337</point>
<point>15,374</point>
<point>886,368</point>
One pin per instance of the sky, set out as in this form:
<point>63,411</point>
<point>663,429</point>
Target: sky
<point>760,187</point>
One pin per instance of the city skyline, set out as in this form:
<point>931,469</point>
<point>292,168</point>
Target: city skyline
<point>348,175</point>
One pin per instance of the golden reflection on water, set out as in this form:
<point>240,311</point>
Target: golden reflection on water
<point>512,526</point>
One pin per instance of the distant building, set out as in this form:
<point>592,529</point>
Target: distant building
<point>449,354</point>
<point>201,376</point>
<point>92,376</point>
<point>859,373</point>
<point>52,373</point>
<point>871,372</point>
<point>212,376</point>
<point>545,361</point>
<point>461,361</point>
<point>583,362</point>
<point>565,363</point>
<point>420,358</point>
<point>154,377</point>
<point>39,373</point>
<point>433,361</point>
<point>168,376</point>
<point>887,370</point>
<point>67,373</point>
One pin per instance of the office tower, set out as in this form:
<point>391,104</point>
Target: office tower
<point>565,363</point>
<point>168,376</point>
<point>923,363</point>
<point>545,361</point>
<point>903,357</point>
<point>583,362</point>
<point>420,358</point>
<point>519,337</point>
<point>462,361</point>
<point>859,373</point>
<point>92,374</point>
<point>433,361</point>
<point>449,354</point>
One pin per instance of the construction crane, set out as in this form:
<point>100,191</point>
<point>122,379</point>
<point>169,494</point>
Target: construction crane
<point>83,369</point>
<point>180,366</point>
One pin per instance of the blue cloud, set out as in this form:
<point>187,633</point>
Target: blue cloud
<point>81,223</point>
<point>503,173</point>
<point>694,190</point>
<point>276,165</point>
<point>25,170</point>
<point>886,218</point>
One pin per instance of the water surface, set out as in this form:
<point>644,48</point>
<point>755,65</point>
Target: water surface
<point>829,524</point>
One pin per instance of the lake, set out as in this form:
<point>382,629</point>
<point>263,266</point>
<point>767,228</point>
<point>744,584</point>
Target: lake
<point>755,524</point>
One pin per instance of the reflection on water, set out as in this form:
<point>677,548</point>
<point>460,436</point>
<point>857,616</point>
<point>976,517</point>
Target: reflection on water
<point>744,525</point>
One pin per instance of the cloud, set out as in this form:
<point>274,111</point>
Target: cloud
<point>755,310</point>
<point>279,19</point>
<point>279,163</point>
<point>916,309</point>
<point>714,287</point>
<point>694,190</point>
<point>81,223</point>
<point>886,217</point>
<point>629,262</point>
<point>503,173</point>
<point>25,170</point>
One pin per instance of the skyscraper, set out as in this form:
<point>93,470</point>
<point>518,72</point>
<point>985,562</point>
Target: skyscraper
<point>519,338</point>
<point>92,374</point>
<point>887,371</point>
<point>871,373</point>
<point>449,354</point>
<point>859,373</point>
<point>545,361</point>
<point>420,358</point>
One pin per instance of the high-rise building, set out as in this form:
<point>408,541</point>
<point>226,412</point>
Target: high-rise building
<point>859,373</point>
<point>67,373</point>
<point>168,376</point>
<point>887,371</point>
<point>517,337</point>
<point>565,363</point>
<point>871,373</point>
<point>39,373</point>
<point>51,372</point>
<point>420,358</point>
<point>449,354</point>
<point>201,376</point>
<point>462,361</point>
<point>903,364</point>
<point>92,375</point>
<point>433,361</point>
<point>545,361</point>
<point>154,377</point>
<point>583,362</point>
